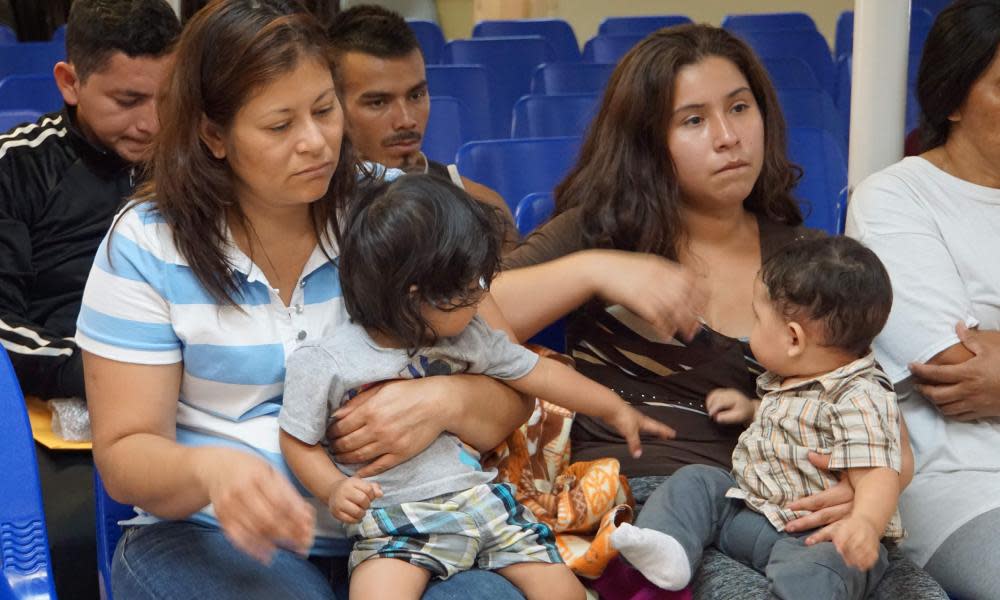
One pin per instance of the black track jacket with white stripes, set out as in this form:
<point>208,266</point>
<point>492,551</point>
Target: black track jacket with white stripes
<point>58,196</point>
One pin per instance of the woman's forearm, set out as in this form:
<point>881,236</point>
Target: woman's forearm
<point>485,412</point>
<point>531,298</point>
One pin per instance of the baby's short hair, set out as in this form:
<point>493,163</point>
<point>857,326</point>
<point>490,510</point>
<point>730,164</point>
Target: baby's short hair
<point>835,282</point>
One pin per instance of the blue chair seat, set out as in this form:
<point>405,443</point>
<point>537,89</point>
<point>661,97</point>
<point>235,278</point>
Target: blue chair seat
<point>810,46</point>
<point>609,48</point>
<point>556,31</point>
<point>516,168</point>
<point>109,513</point>
<point>510,61</point>
<point>822,191</point>
<point>431,39</point>
<point>813,108</point>
<point>531,212</point>
<point>469,84</point>
<point>24,544</point>
<point>781,21</point>
<point>443,136</point>
<point>10,119</point>
<point>32,92</point>
<point>30,58</point>
<point>570,78</point>
<point>553,116</point>
<point>640,25</point>
<point>791,73</point>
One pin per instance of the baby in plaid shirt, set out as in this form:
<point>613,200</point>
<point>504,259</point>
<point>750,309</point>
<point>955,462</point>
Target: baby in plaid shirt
<point>818,304</point>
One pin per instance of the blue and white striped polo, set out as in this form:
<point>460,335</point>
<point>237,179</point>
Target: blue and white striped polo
<point>143,304</point>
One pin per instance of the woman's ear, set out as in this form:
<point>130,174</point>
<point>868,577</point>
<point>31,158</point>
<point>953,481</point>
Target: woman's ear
<point>67,81</point>
<point>796,339</point>
<point>211,135</point>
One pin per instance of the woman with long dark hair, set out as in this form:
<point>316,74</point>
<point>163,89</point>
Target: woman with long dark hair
<point>934,220</point>
<point>682,189</point>
<point>220,269</point>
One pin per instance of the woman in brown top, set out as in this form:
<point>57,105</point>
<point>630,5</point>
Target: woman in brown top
<point>681,190</point>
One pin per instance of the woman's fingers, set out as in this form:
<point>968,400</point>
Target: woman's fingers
<point>352,442</point>
<point>361,455</point>
<point>819,518</point>
<point>380,465</point>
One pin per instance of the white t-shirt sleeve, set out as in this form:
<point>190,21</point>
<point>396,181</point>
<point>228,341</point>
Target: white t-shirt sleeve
<point>890,216</point>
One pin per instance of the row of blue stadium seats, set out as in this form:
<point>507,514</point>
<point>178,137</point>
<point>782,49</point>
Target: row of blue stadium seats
<point>9,36</point>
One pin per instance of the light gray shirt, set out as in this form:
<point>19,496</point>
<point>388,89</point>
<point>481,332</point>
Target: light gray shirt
<point>321,376</point>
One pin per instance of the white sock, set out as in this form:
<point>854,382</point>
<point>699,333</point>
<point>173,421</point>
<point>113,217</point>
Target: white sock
<point>659,557</point>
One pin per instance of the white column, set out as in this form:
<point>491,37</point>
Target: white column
<point>878,86</point>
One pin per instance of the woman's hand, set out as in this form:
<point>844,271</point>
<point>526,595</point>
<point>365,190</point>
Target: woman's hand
<point>658,291</point>
<point>826,507</point>
<point>728,406</point>
<point>390,423</point>
<point>257,508</point>
<point>968,390</point>
<point>856,539</point>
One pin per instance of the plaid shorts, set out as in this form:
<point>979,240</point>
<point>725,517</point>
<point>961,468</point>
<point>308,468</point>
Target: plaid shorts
<point>483,526</point>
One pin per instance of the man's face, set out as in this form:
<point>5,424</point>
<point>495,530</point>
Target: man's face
<point>386,105</point>
<point>116,105</point>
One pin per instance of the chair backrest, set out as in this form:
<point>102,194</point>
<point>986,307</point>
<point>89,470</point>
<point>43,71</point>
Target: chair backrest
<point>516,168</point>
<point>7,35</point>
<point>443,136</point>
<point>431,39</point>
<point>813,108</point>
<point>30,58</point>
<point>24,544</point>
<point>470,85</point>
<point>791,72</point>
<point>640,25</point>
<point>781,21</point>
<point>822,191</point>
<point>609,48</point>
<point>109,513</point>
<point>59,35</point>
<point>33,92</point>
<point>557,32</point>
<point>932,6</point>
<point>553,116</point>
<point>12,118</point>
<point>810,46</point>
<point>920,25</point>
<point>510,62</point>
<point>533,210</point>
<point>570,78</point>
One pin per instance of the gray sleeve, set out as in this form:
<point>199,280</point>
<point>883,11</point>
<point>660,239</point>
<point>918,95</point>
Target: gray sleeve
<point>491,352</point>
<point>310,381</point>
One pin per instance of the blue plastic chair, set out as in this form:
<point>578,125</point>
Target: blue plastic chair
<point>516,168</point>
<point>609,48</point>
<point>813,108</point>
<point>24,544</point>
<point>822,191</point>
<point>553,116</point>
<point>556,31</point>
<point>7,35</point>
<point>12,118</point>
<point>30,58</point>
<point>33,92</point>
<point>469,84</point>
<point>920,25</point>
<point>510,62</point>
<point>59,35</point>
<point>531,212</point>
<point>789,72</point>
<point>109,513</point>
<point>570,78</point>
<point>780,21</point>
<point>934,7</point>
<point>443,136</point>
<point>810,46</point>
<point>639,25</point>
<point>431,39</point>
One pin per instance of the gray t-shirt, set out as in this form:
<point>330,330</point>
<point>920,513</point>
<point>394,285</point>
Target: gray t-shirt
<point>322,375</point>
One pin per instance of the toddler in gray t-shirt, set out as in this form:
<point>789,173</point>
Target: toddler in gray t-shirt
<point>415,264</point>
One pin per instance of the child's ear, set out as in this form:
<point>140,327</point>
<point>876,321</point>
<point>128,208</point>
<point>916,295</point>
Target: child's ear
<point>796,339</point>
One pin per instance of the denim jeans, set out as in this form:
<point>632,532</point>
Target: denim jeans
<point>181,559</point>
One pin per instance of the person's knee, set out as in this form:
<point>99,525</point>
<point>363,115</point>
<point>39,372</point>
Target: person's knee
<point>818,571</point>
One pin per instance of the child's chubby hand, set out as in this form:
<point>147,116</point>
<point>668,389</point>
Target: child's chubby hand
<point>629,422</point>
<point>855,538</point>
<point>350,498</point>
<point>727,406</point>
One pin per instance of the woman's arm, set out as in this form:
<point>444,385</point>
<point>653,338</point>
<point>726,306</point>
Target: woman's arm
<point>133,412</point>
<point>659,291</point>
<point>963,381</point>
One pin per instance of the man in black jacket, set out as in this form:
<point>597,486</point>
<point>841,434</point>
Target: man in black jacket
<point>62,179</point>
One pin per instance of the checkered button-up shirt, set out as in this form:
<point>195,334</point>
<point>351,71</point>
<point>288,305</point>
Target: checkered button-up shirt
<point>850,414</point>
